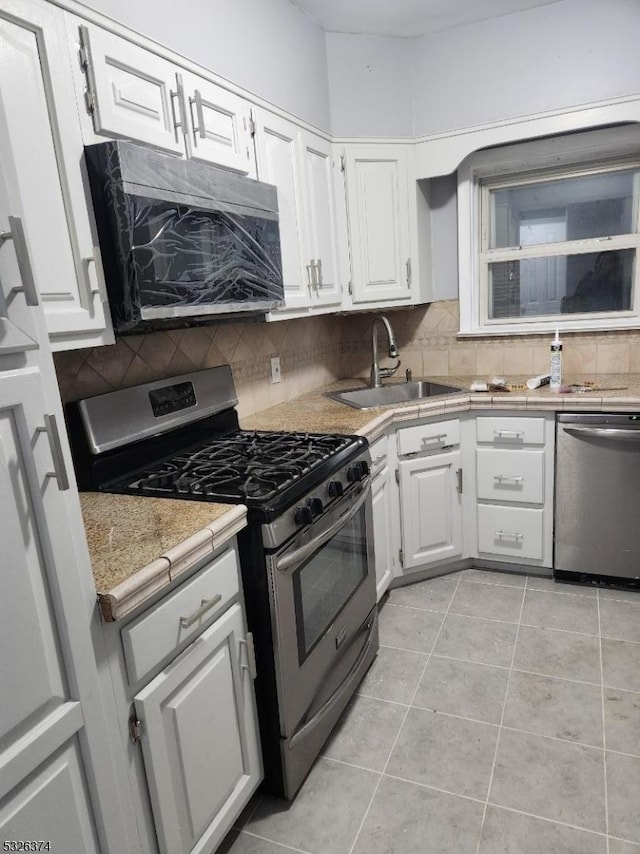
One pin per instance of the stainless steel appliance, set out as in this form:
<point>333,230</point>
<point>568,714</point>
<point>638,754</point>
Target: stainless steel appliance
<point>182,241</point>
<point>306,555</point>
<point>597,498</point>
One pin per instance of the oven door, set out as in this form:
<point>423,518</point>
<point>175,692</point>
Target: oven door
<point>322,587</point>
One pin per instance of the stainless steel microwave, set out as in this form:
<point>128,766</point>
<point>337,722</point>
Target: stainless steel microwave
<point>182,242</point>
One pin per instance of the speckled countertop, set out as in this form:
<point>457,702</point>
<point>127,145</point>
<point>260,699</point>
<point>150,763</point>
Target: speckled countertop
<point>313,412</point>
<point>139,545</point>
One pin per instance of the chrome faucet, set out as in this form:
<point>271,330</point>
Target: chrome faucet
<point>378,373</point>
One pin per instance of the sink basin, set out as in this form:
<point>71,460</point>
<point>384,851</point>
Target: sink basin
<point>367,398</point>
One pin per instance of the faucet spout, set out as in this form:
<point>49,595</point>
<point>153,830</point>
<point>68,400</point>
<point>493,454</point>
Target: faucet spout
<point>378,373</point>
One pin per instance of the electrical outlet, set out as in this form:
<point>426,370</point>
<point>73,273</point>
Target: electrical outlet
<point>276,370</point>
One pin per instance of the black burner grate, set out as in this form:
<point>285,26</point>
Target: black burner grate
<point>243,465</point>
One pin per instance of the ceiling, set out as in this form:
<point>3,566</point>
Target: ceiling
<point>407,17</point>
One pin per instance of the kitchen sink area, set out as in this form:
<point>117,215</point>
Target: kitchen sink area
<point>368,398</point>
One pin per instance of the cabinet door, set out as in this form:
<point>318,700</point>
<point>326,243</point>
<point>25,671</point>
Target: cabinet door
<point>52,807</point>
<point>200,741</point>
<point>320,219</point>
<point>135,94</point>
<point>218,125</point>
<point>279,163</point>
<point>42,151</point>
<point>41,715</point>
<point>431,509</point>
<point>378,213</point>
<point>384,542</point>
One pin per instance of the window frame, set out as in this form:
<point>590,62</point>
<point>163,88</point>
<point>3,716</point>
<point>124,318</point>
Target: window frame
<point>594,152</point>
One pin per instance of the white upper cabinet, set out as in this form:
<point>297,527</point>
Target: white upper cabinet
<point>219,125</point>
<point>279,163</point>
<point>133,93</point>
<point>41,153</point>
<point>301,165</point>
<point>320,219</point>
<point>377,188</point>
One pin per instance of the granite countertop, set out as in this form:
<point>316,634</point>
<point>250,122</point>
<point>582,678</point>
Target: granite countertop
<point>313,412</point>
<point>139,545</point>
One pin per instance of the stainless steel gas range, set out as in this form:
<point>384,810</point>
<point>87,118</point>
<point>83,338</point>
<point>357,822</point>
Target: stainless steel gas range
<point>306,554</point>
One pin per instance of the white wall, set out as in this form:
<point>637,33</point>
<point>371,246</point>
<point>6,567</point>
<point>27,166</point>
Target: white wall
<point>266,46</point>
<point>564,54</point>
<point>369,85</point>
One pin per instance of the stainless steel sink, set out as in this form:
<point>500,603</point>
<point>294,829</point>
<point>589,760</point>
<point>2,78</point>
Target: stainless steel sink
<point>367,398</point>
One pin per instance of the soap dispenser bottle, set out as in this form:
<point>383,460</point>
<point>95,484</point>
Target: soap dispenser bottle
<point>556,363</point>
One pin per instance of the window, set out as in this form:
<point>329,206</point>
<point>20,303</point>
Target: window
<point>549,234</point>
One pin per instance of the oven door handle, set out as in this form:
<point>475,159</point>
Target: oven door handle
<point>298,555</point>
<point>345,686</point>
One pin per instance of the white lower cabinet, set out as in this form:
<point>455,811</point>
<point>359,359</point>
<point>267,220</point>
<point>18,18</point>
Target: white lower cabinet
<point>386,514</point>
<point>182,672</point>
<point>514,488</point>
<point>200,741</point>
<point>431,509</point>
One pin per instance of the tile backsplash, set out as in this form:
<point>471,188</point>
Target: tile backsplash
<point>428,345</point>
<point>309,349</point>
<point>316,351</point>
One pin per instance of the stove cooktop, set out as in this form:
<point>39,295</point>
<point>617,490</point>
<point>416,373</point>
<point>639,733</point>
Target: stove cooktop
<point>245,467</point>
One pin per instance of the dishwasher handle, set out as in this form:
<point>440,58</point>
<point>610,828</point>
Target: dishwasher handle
<point>618,433</point>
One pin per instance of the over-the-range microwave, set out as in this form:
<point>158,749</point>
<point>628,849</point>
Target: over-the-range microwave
<point>182,242</point>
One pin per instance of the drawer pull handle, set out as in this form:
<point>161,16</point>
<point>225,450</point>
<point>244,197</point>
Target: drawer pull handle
<point>205,605</point>
<point>508,434</point>
<point>378,460</point>
<point>508,478</point>
<point>438,437</point>
<point>509,535</point>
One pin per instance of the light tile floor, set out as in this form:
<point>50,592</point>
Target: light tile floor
<point>502,716</point>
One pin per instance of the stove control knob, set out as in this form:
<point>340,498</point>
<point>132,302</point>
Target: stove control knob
<point>357,471</point>
<point>364,468</point>
<point>315,505</point>
<point>336,489</point>
<point>303,515</point>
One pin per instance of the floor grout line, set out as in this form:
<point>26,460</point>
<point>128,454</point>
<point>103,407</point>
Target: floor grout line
<point>504,708</point>
<point>406,715</point>
<point>604,725</point>
<point>273,842</point>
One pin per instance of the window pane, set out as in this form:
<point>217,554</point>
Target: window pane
<point>598,281</point>
<point>564,209</point>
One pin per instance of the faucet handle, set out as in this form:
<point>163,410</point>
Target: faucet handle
<point>389,372</point>
<point>408,375</point>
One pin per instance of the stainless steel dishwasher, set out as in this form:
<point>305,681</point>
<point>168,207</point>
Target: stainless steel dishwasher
<point>597,499</point>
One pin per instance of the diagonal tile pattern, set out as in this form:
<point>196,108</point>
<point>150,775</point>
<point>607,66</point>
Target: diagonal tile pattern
<point>484,675</point>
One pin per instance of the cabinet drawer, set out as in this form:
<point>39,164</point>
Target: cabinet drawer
<point>511,531</point>
<point>428,437</point>
<point>510,475</point>
<point>167,626</point>
<point>521,431</point>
